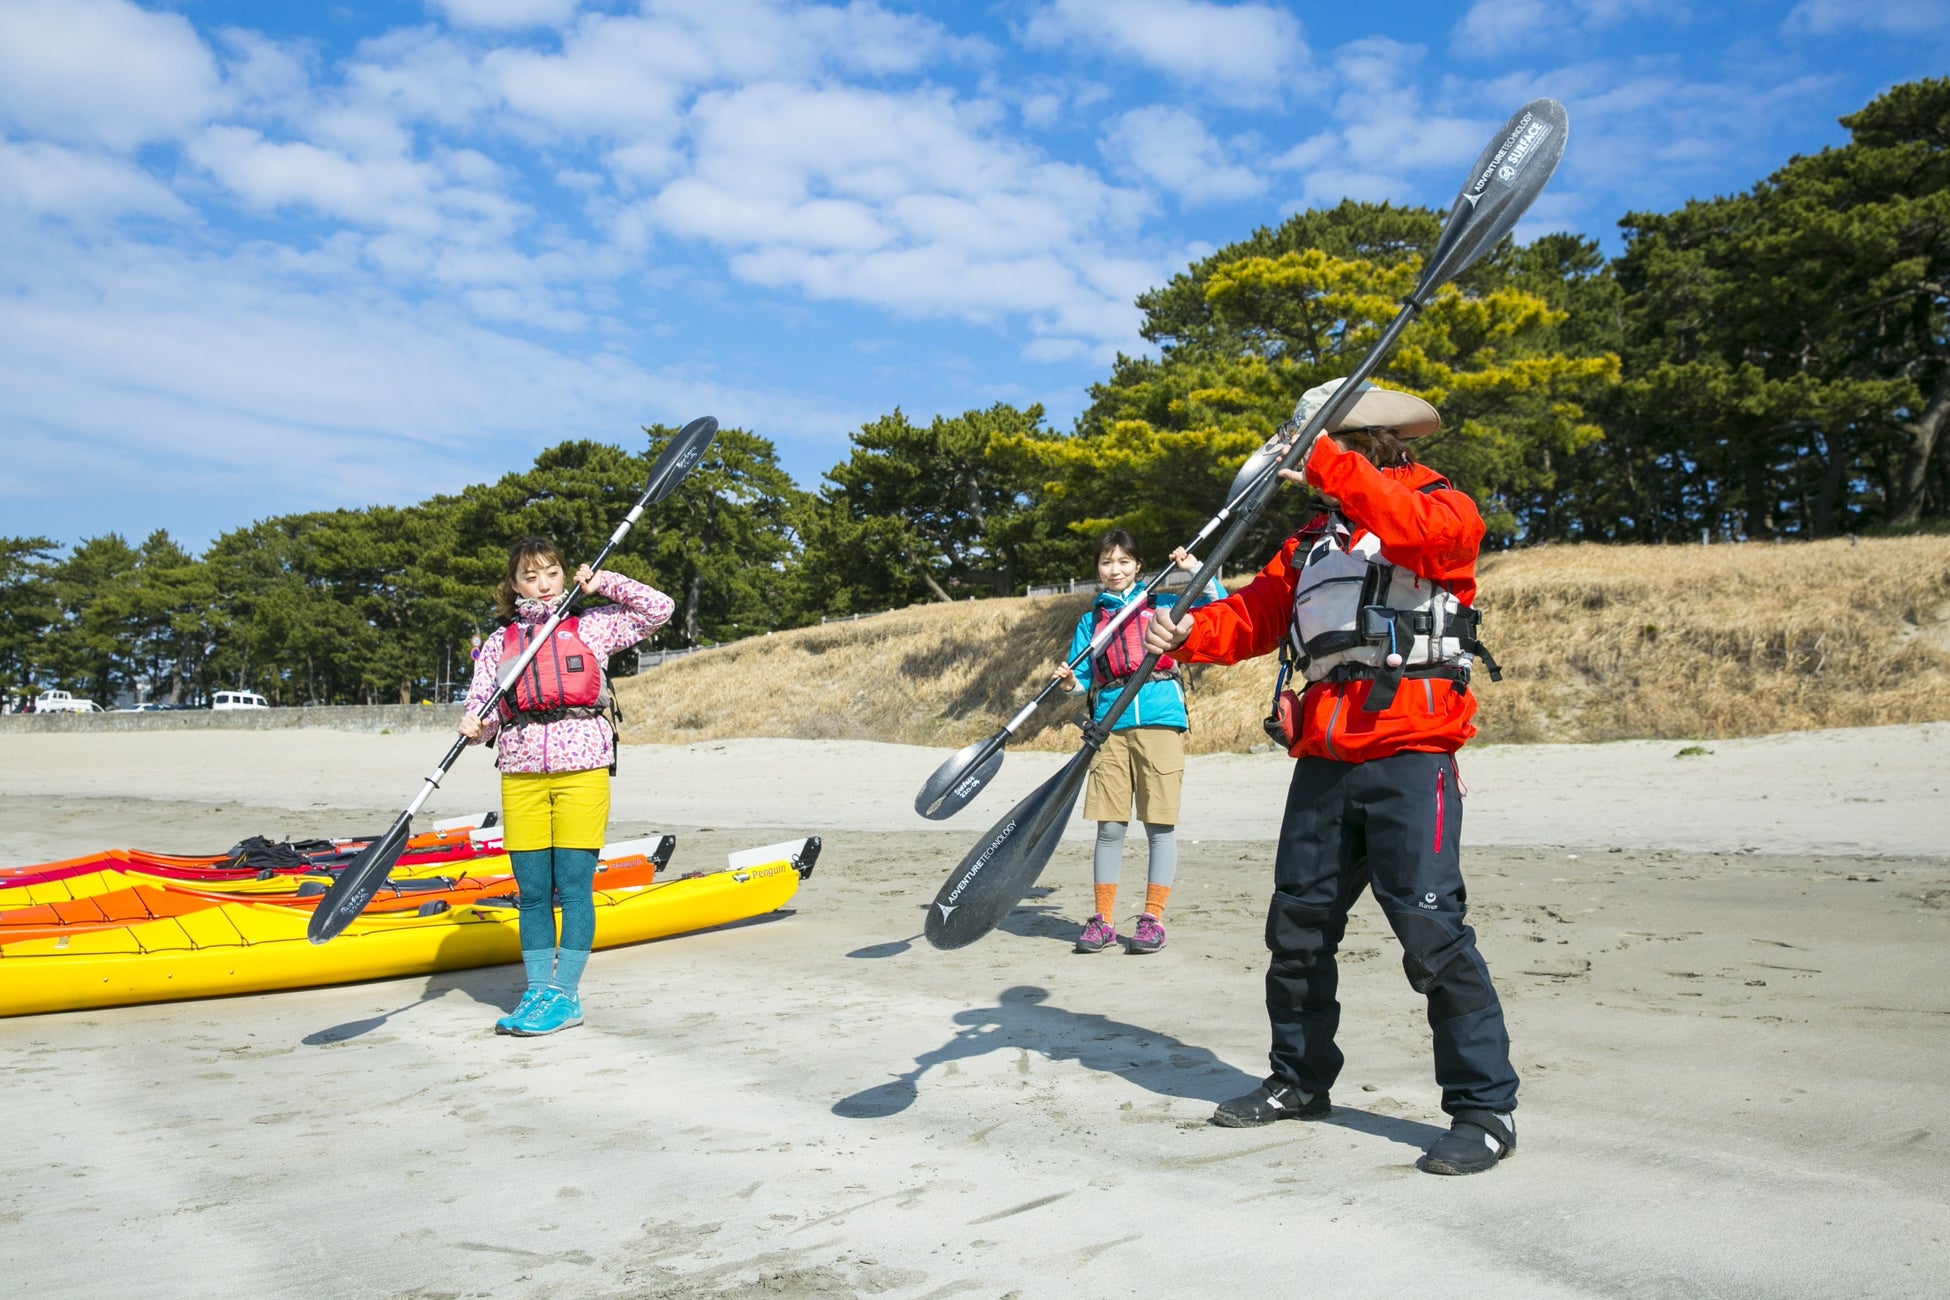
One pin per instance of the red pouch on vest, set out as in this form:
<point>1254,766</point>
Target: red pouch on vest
<point>1283,723</point>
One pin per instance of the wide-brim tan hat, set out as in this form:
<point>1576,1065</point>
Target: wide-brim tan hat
<point>1376,408</point>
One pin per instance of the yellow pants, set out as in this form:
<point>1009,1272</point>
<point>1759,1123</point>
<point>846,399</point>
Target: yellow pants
<point>541,810</point>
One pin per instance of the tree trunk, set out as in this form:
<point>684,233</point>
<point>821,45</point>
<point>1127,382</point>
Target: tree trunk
<point>1759,511</point>
<point>1923,433</point>
<point>1828,493</point>
<point>693,595</point>
<point>928,578</point>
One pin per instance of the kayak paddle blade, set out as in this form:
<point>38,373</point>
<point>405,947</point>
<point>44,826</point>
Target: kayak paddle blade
<point>358,881</point>
<point>961,778</point>
<point>1507,178</point>
<point>679,459</point>
<point>1000,869</point>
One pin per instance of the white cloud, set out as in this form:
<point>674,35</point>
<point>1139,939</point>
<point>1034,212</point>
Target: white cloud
<point>1056,350</point>
<point>268,174</point>
<point>264,77</point>
<point>902,201</point>
<point>618,77</point>
<point>134,369</point>
<point>789,160</point>
<point>1172,148</point>
<point>1649,132</point>
<point>1897,17</point>
<point>1494,27</point>
<point>859,37</point>
<point>102,72</point>
<point>49,180</point>
<point>1386,141</point>
<point>422,76</point>
<point>1042,110</point>
<point>626,77</point>
<point>505,13</point>
<point>1236,53</point>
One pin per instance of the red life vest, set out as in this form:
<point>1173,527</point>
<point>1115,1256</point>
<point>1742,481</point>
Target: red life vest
<point>564,674</point>
<point>1123,653</point>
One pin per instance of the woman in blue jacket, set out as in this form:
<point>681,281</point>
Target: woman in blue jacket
<point>1143,760</point>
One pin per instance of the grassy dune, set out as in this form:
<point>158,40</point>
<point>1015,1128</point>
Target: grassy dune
<point>1597,643</point>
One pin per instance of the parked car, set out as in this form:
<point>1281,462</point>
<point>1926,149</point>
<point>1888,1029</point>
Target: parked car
<point>62,702</point>
<point>223,700</point>
<point>149,706</point>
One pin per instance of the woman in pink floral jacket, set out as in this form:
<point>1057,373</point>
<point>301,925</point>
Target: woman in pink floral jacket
<point>556,749</point>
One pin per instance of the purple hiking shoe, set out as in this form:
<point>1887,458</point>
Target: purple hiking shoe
<point>1150,935</point>
<point>1098,935</point>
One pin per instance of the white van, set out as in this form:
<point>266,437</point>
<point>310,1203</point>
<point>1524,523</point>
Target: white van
<point>222,700</point>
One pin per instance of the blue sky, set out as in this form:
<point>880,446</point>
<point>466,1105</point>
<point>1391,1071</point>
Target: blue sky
<point>265,257</point>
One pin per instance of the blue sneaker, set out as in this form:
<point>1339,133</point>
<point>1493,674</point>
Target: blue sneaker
<point>507,1023</point>
<point>553,1011</point>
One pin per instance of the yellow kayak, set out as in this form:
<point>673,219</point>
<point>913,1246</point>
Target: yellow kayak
<point>253,947</point>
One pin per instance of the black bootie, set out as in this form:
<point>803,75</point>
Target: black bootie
<point>1476,1140</point>
<point>1272,1100</point>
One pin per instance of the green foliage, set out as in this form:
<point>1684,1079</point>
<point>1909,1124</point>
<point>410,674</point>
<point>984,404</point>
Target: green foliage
<point>378,605</point>
<point>1180,316</point>
<point>1252,327</point>
<point>27,611</point>
<point>942,511</point>
<point>91,589</point>
<point>1787,349</point>
<point>725,539</point>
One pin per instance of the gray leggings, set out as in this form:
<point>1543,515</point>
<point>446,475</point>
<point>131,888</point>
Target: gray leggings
<point>1109,855</point>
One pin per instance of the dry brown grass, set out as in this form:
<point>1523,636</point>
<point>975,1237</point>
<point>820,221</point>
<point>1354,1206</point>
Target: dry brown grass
<point>1597,643</point>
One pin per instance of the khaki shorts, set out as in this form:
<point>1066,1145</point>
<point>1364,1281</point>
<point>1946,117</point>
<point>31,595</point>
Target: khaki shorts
<point>541,810</point>
<point>1145,762</point>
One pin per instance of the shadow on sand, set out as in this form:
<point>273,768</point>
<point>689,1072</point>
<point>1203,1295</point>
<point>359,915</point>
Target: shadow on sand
<point>491,986</point>
<point>499,987</point>
<point>1031,920</point>
<point>1024,1019</point>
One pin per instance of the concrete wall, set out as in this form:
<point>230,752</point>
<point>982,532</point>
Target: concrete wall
<point>337,717</point>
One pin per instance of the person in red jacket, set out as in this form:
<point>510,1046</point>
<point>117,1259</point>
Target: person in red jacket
<point>1370,603</point>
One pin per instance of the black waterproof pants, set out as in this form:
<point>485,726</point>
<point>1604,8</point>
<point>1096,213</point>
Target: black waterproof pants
<point>1394,823</point>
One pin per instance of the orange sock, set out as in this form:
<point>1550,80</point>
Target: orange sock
<point>1154,900</point>
<point>1107,902</point>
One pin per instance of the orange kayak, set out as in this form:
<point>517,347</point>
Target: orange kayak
<point>149,900</point>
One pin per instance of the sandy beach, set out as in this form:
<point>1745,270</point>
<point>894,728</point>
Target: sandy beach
<point>1723,973</point>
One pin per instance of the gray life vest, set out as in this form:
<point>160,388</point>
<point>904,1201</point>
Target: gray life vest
<point>1355,615</point>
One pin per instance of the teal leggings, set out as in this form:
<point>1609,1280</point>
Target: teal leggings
<point>550,876</point>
